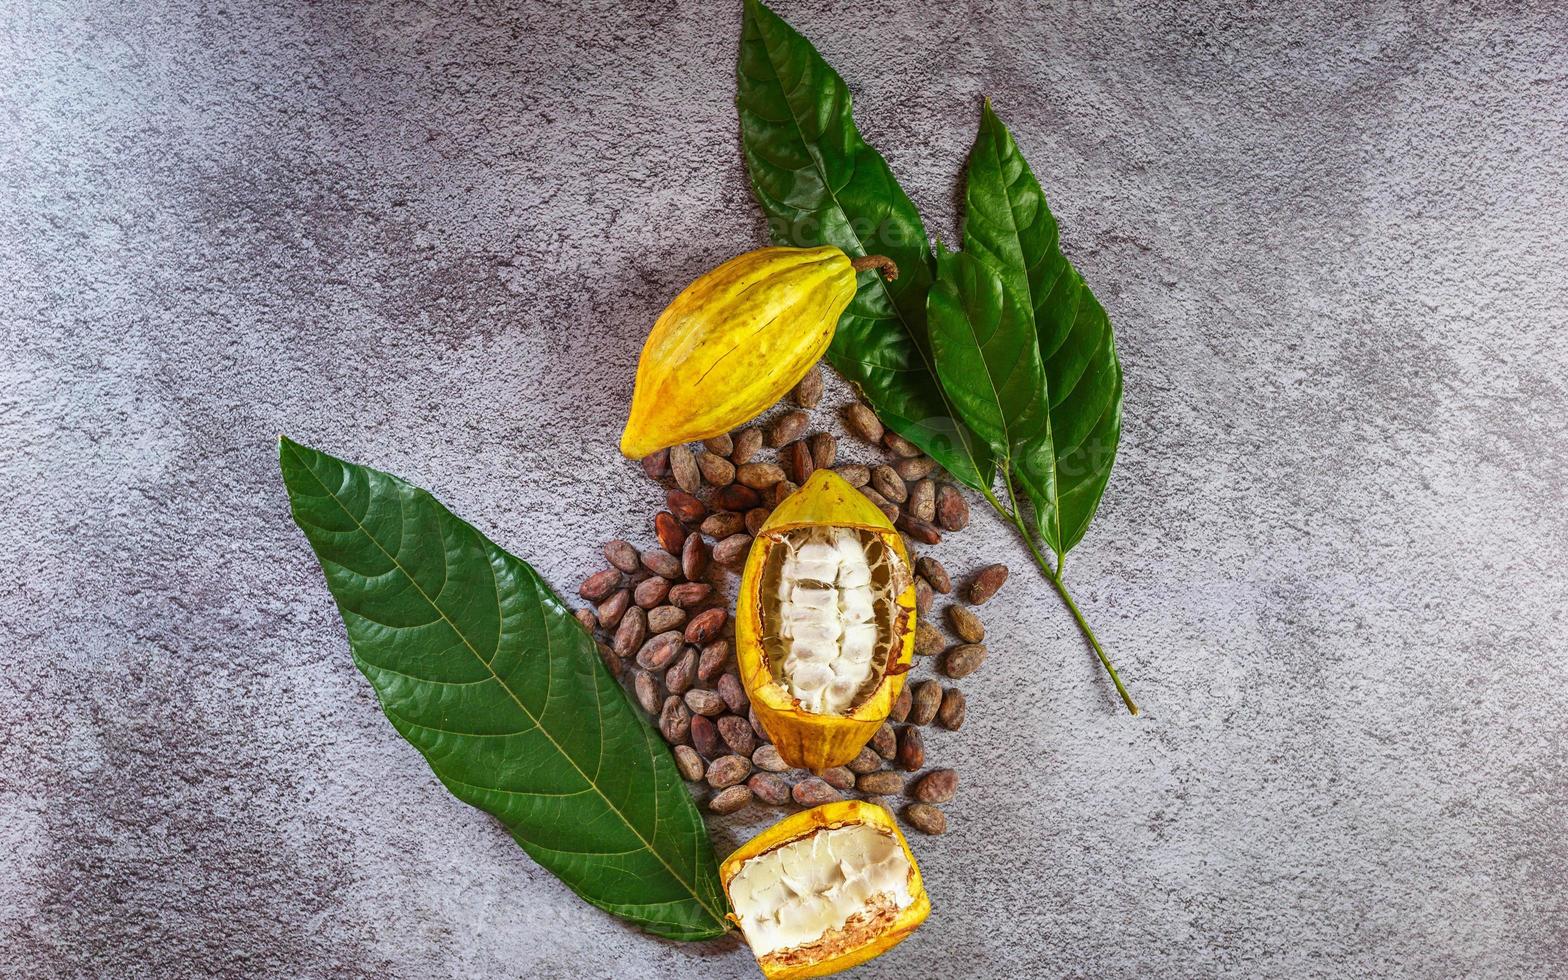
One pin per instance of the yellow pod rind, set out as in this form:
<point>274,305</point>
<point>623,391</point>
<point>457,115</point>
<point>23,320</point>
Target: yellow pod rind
<point>733,342</point>
<point>827,817</point>
<point>804,739</point>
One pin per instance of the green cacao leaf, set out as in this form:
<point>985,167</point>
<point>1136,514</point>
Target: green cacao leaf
<point>986,357</point>
<point>1008,225</point>
<point>481,667</point>
<point>820,184</point>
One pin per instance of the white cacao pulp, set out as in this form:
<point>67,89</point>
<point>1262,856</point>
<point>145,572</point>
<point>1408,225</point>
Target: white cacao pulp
<point>833,887</point>
<point>829,614</point>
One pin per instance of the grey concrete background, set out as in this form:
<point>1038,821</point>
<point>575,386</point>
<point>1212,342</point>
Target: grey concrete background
<point>429,237</point>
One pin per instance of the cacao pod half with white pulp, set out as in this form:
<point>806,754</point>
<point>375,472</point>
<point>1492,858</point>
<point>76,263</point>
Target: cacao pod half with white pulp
<point>733,342</point>
<point>824,622</point>
<point>825,889</point>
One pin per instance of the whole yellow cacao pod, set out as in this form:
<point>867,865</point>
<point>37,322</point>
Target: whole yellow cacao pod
<point>825,889</point>
<point>733,342</point>
<point>824,622</point>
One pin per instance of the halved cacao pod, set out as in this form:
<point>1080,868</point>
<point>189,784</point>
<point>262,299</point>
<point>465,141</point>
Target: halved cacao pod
<point>824,622</point>
<point>733,342</point>
<point>825,889</point>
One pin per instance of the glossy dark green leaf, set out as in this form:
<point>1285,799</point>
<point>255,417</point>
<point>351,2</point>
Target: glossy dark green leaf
<point>820,184</point>
<point>479,665</point>
<point>986,358</point>
<point>1009,226</point>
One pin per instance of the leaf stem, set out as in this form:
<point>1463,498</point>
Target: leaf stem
<point>1054,576</point>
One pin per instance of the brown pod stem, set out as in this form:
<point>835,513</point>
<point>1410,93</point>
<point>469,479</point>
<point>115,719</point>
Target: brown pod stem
<point>881,263</point>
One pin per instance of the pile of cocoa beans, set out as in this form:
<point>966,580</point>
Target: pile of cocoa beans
<point>661,614</point>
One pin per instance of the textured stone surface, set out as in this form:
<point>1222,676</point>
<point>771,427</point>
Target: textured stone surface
<point>429,237</point>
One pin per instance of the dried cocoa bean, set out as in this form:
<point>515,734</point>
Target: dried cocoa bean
<point>928,640</point>
<point>612,609</point>
<point>936,786</point>
<point>915,467</point>
<point>814,792</point>
<point>732,550</point>
<point>922,531</point>
<point>854,474</point>
<point>598,586</point>
<point>683,467</point>
<point>705,737</point>
<point>674,720</point>
<point>887,482</point>
<point>885,741</point>
<point>747,442</point>
<point>927,699</point>
<point>963,660</point>
<point>986,583</point>
<point>651,592</point>
<point>933,572</point>
<point>824,449</point>
<point>612,663</point>
<point>722,444</point>
<point>786,428</point>
<point>866,761</point>
<point>768,788</point>
<point>863,422</point>
<point>715,469</point>
<point>798,461</point>
<point>689,594</point>
<point>660,651</point>
<point>736,733</point>
<point>951,715</point>
<point>922,595</point>
<point>588,618</point>
<point>900,705</point>
<point>672,537</point>
<point>729,800</point>
<point>714,656</point>
<point>664,618</point>
<point>684,506</point>
<point>925,818</point>
<point>689,763</point>
<point>733,693</point>
<point>952,510</point>
<point>965,624</point>
<point>705,703</point>
<point>662,563</point>
<point>695,555</point>
<point>760,476</point>
<point>767,757</point>
<point>648,693</point>
<point>727,770</point>
<point>682,673</point>
<point>756,725</point>
<point>922,500</point>
<point>781,491</point>
<point>736,497</point>
<point>721,525</point>
<point>838,777</point>
<point>622,555</point>
<point>755,518</point>
<point>911,755</point>
<point>808,392</point>
<point>631,633</point>
<point>884,783</point>
<point>706,625</point>
<point>899,445</point>
<point>657,465</point>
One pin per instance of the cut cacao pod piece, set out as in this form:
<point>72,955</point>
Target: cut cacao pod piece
<point>733,342</point>
<point>824,890</point>
<point>825,625</point>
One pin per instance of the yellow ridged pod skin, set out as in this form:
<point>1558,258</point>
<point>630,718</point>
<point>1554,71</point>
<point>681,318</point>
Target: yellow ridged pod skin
<point>806,739</point>
<point>804,824</point>
<point>734,342</point>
